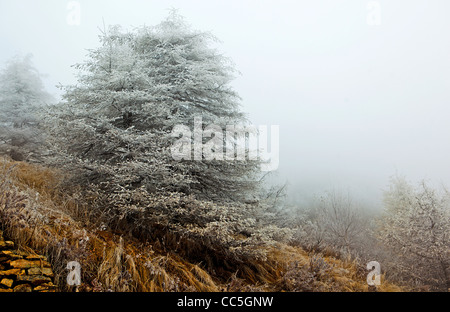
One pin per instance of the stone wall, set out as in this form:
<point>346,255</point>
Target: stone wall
<point>23,272</point>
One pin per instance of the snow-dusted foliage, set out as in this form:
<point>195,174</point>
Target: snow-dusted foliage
<point>132,91</point>
<point>229,232</point>
<point>114,129</point>
<point>22,93</point>
<point>22,97</point>
<point>417,225</point>
<point>335,221</point>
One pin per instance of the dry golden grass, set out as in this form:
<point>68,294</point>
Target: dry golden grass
<point>29,176</point>
<point>330,273</point>
<point>38,215</point>
<point>47,221</point>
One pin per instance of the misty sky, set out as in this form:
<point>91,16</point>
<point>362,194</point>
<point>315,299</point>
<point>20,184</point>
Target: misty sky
<point>355,103</point>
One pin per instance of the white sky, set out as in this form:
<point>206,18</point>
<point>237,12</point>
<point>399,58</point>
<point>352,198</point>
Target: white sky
<point>355,103</point>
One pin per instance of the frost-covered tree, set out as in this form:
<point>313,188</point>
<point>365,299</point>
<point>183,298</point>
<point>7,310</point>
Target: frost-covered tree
<point>341,218</point>
<point>132,91</point>
<point>114,129</point>
<point>334,221</point>
<point>416,224</point>
<point>22,97</point>
<point>22,92</point>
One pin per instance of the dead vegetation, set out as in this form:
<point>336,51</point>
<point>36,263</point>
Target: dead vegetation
<point>38,214</point>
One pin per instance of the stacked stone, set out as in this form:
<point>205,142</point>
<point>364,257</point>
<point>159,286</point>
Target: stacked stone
<point>23,272</point>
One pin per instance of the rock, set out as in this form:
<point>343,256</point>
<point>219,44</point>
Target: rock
<point>22,288</point>
<point>47,290</point>
<point>7,282</point>
<point>21,271</point>
<point>12,272</point>
<point>36,257</point>
<point>46,287</point>
<point>4,245</point>
<point>9,255</point>
<point>26,264</point>
<point>21,253</point>
<point>40,271</point>
<point>33,279</point>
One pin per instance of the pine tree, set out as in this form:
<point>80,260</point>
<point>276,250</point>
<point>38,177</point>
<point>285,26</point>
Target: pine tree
<point>22,98</point>
<point>22,93</point>
<point>131,93</point>
<point>114,129</point>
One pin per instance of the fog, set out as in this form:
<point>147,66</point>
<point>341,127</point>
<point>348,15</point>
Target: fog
<point>356,103</point>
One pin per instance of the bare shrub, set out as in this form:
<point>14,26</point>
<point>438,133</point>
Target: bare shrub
<point>416,225</point>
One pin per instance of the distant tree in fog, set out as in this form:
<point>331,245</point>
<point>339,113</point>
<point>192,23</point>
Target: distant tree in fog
<point>416,224</point>
<point>22,93</point>
<point>341,219</point>
<point>22,98</point>
<point>335,221</point>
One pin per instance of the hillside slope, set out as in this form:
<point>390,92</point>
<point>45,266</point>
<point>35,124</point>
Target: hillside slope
<point>37,215</point>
